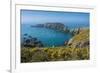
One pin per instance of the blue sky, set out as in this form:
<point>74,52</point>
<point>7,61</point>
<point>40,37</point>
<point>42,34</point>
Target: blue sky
<point>39,17</point>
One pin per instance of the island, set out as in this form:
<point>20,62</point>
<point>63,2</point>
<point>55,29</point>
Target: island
<point>53,25</point>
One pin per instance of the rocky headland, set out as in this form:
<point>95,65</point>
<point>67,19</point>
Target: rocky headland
<point>55,26</point>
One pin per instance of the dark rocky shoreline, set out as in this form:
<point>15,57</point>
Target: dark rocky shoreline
<point>31,42</point>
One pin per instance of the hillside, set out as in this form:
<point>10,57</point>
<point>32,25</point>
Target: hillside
<point>80,40</point>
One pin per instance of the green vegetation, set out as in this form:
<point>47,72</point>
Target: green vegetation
<point>53,54</point>
<point>80,40</point>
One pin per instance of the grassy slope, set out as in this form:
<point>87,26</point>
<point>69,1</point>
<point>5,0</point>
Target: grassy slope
<point>82,37</point>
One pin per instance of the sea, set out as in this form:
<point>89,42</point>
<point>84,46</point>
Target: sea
<point>48,37</point>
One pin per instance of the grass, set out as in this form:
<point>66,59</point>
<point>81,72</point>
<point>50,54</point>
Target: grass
<point>83,35</point>
<point>53,54</point>
<point>79,39</point>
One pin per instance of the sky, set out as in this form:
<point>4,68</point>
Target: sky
<point>39,17</point>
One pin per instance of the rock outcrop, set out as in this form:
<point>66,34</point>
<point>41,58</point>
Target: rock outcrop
<point>75,31</point>
<point>58,26</point>
<point>55,26</point>
<point>29,41</point>
<point>80,40</point>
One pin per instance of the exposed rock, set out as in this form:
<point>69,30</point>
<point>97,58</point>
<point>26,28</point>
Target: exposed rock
<point>58,26</point>
<point>55,26</point>
<point>29,41</point>
<point>85,43</point>
<point>66,42</point>
<point>75,31</point>
<point>80,40</point>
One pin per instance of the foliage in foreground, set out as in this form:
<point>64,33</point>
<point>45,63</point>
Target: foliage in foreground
<point>53,54</point>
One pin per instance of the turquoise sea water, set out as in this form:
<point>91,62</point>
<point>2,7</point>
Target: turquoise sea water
<point>49,37</point>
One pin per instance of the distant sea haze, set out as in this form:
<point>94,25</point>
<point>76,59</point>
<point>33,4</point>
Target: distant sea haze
<point>69,25</point>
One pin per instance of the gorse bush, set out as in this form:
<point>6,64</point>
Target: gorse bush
<point>53,54</point>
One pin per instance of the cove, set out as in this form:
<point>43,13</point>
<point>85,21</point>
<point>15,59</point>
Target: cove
<point>48,37</point>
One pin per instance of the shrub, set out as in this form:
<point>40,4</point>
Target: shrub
<point>53,54</point>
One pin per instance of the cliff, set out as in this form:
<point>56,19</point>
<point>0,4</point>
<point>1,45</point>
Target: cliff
<point>80,40</point>
<point>53,25</point>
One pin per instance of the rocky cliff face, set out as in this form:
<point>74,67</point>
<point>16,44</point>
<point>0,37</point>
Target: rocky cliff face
<point>58,26</point>
<point>53,25</point>
<point>75,31</point>
<point>80,40</point>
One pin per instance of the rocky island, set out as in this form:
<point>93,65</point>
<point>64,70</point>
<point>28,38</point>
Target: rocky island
<point>53,25</point>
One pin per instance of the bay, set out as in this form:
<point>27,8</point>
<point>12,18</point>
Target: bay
<point>49,37</point>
